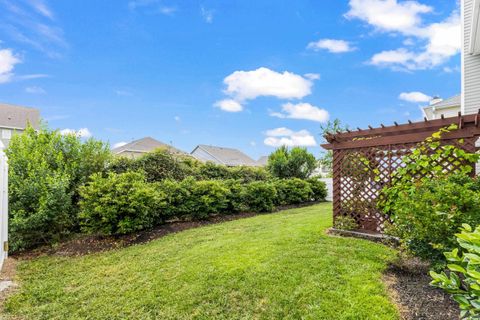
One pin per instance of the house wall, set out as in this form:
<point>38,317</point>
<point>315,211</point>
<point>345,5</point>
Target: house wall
<point>470,64</point>
<point>204,156</point>
<point>6,135</point>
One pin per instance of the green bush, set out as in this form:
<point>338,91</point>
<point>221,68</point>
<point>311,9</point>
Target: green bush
<point>45,171</point>
<point>119,204</point>
<point>319,189</point>
<point>212,171</point>
<point>235,196</point>
<point>345,223</point>
<point>463,282</point>
<point>427,218</point>
<point>287,163</point>
<point>260,196</point>
<point>428,203</point>
<point>205,198</point>
<point>293,191</point>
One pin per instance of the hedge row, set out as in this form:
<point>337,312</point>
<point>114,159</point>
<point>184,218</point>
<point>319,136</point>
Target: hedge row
<point>161,164</point>
<point>127,202</point>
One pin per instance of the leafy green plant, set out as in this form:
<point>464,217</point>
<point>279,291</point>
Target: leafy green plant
<point>430,196</point>
<point>259,196</point>
<point>345,223</point>
<point>287,163</point>
<point>463,280</point>
<point>429,160</point>
<point>119,204</point>
<point>293,191</point>
<point>45,171</point>
<point>319,189</point>
<point>205,198</point>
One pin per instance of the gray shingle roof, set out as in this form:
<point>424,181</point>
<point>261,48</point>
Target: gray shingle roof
<point>263,161</point>
<point>228,156</point>
<point>17,117</point>
<point>145,145</point>
<point>448,103</point>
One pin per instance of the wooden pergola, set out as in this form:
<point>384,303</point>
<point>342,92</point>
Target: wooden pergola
<point>364,160</point>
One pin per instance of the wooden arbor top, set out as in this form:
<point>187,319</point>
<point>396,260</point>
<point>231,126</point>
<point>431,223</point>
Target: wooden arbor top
<point>411,132</point>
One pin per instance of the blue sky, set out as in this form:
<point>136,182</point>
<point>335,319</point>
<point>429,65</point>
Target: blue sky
<point>245,74</point>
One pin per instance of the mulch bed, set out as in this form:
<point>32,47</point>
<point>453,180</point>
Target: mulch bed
<point>83,244</point>
<point>408,284</point>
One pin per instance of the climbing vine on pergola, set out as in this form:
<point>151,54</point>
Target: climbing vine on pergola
<point>364,161</point>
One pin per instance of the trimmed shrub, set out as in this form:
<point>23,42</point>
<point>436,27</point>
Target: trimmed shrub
<point>293,191</point>
<point>205,198</point>
<point>161,164</point>
<point>212,171</point>
<point>463,279</point>
<point>119,204</point>
<point>319,189</point>
<point>260,196</point>
<point>235,196</point>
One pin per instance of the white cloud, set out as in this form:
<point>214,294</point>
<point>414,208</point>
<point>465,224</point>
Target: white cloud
<point>229,105</point>
<point>8,60</point>
<point>152,7</point>
<point>287,137</point>
<point>168,11</point>
<point>441,40</point>
<point>177,118</point>
<point>42,8</point>
<point>332,45</point>
<point>414,96</point>
<point>304,111</point>
<point>119,144</point>
<point>312,76</point>
<point>82,133</point>
<point>123,93</point>
<point>32,76</point>
<point>25,23</point>
<point>207,14</point>
<point>247,85</point>
<point>389,15</point>
<point>35,90</point>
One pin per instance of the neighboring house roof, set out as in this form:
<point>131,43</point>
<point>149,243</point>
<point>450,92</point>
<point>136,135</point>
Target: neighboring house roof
<point>16,117</point>
<point>227,156</point>
<point>455,101</point>
<point>263,161</point>
<point>145,145</point>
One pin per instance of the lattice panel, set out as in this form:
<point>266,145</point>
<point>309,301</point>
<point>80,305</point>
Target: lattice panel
<point>356,188</point>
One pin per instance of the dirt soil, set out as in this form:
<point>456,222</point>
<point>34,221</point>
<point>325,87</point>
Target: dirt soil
<point>408,285</point>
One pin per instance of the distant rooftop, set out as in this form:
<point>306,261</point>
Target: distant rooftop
<point>263,161</point>
<point>454,101</point>
<point>145,145</point>
<point>228,156</point>
<point>16,117</point>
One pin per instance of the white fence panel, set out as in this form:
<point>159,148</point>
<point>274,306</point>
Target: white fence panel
<point>329,183</point>
<point>3,205</point>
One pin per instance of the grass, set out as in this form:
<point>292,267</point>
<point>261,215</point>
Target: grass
<point>277,266</point>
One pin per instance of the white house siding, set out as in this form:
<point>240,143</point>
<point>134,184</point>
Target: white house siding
<point>204,156</point>
<point>471,65</point>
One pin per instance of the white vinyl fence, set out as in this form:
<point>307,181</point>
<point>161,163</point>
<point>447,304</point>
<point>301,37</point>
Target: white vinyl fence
<point>329,183</point>
<point>3,205</point>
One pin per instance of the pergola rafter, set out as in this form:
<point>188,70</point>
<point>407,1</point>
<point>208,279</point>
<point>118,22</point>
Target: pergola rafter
<point>364,160</point>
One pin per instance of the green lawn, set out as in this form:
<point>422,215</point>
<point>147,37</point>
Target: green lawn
<point>276,266</point>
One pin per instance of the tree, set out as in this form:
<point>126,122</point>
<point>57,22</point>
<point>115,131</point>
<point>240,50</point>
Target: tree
<point>287,163</point>
<point>331,127</point>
